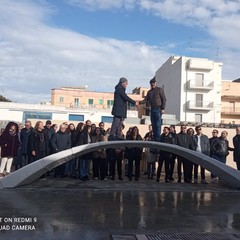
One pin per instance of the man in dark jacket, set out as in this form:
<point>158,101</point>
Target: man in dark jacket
<point>25,147</point>
<point>119,110</point>
<point>236,144</point>
<point>61,141</point>
<point>221,148</point>
<point>183,140</point>
<point>201,144</point>
<point>157,101</point>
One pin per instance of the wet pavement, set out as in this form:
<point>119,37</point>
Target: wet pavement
<point>72,209</point>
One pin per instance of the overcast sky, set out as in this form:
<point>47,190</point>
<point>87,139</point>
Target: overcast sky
<point>47,44</point>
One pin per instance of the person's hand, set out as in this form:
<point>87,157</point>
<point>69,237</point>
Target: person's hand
<point>162,111</point>
<point>136,104</point>
<point>33,153</point>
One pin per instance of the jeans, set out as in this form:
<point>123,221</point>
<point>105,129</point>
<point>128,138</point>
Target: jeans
<point>84,167</point>
<point>116,128</point>
<point>156,120</point>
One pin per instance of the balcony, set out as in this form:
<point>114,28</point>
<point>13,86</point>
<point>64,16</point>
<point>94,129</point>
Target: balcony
<point>200,85</point>
<point>202,106</point>
<point>231,111</point>
<point>200,64</point>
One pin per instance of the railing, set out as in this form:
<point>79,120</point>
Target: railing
<point>204,85</point>
<point>199,105</point>
<point>231,110</point>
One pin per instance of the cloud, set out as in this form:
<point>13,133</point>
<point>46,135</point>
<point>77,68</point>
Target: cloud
<point>103,4</point>
<point>219,18</point>
<point>36,57</point>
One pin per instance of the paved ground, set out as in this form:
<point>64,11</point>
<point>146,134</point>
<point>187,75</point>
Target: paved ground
<point>72,209</point>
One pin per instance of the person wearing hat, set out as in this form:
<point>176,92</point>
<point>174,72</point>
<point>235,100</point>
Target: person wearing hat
<point>119,110</point>
<point>157,101</point>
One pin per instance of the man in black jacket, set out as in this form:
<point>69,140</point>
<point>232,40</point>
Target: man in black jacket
<point>157,101</point>
<point>183,140</point>
<point>119,110</point>
<point>236,144</point>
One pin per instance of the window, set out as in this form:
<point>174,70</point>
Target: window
<point>199,100</point>
<point>90,101</point>
<point>61,99</point>
<point>37,115</point>
<point>110,102</point>
<point>198,118</point>
<point>76,102</point>
<point>199,78</point>
<point>76,117</point>
<point>106,119</point>
<point>100,102</point>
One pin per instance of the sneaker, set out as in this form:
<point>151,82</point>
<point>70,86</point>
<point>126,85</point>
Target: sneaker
<point>2,175</point>
<point>195,180</point>
<point>120,178</point>
<point>166,181</point>
<point>105,179</point>
<point>179,181</point>
<point>204,181</point>
<point>112,178</point>
<point>171,179</point>
<point>96,178</point>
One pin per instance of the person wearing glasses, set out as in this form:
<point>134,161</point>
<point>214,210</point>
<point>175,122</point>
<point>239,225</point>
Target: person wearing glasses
<point>221,148</point>
<point>202,145</point>
<point>183,140</point>
<point>156,99</point>
<point>211,141</point>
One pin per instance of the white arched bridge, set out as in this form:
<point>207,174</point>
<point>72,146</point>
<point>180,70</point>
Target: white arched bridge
<point>35,170</point>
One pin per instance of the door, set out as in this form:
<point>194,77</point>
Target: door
<point>199,100</point>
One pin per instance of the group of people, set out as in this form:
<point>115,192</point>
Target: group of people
<point>22,146</point>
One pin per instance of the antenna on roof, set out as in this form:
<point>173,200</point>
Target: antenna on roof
<point>190,47</point>
<point>217,54</point>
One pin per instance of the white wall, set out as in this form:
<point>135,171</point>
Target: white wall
<point>168,75</point>
<point>174,75</point>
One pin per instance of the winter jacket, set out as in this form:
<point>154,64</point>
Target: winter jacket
<point>221,147</point>
<point>9,142</point>
<point>61,141</point>
<point>167,139</point>
<point>83,139</point>
<point>156,98</point>
<point>184,140</point>
<point>204,142</point>
<point>134,153</point>
<point>24,137</point>
<point>101,153</point>
<point>39,142</point>
<point>236,152</point>
<point>211,140</point>
<point>120,102</point>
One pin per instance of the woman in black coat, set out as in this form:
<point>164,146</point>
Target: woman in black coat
<point>134,154</point>
<point>39,142</point>
<point>9,143</point>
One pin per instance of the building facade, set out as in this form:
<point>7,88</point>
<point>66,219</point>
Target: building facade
<point>230,102</point>
<point>193,88</point>
<point>81,98</point>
